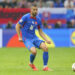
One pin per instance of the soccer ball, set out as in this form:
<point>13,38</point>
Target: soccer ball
<point>73,67</point>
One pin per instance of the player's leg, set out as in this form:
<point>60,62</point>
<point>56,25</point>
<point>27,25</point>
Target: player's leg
<point>33,54</point>
<point>45,56</point>
<point>41,44</point>
<point>45,53</point>
<point>33,51</point>
<point>32,57</point>
<point>31,48</point>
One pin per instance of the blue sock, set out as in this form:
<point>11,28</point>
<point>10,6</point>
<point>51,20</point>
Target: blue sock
<point>45,58</point>
<point>32,57</point>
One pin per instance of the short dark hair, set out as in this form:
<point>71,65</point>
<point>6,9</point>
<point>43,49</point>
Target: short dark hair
<point>34,5</point>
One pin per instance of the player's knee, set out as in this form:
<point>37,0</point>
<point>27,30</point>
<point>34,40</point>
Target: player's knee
<point>34,52</point>
<point>45,49</point>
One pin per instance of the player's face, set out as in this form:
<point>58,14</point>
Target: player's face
<point>34,11</point>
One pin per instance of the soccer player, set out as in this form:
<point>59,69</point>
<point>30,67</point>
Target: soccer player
<point>29,22</point>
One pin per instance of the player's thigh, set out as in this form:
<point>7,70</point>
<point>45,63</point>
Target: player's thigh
<point>30,46</point>
<point>43,47</point>
<point>37,42</point>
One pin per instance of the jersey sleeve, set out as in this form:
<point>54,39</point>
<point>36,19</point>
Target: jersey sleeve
<point>40,24</point>
<point>22,21</point>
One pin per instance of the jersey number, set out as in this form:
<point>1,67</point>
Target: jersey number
<point>31,27</point>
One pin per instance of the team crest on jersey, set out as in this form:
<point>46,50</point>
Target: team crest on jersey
<point>21,20</point>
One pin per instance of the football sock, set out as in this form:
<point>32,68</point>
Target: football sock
<point>32,57</point>
<point>45,58</point>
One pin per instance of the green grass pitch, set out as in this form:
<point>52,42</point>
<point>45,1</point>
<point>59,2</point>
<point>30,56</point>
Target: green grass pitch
<point>14,61</point>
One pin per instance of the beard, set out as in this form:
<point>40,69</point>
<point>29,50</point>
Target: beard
<point>34,14</point>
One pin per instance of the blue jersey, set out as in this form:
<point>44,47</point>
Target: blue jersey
<point>29,24</point>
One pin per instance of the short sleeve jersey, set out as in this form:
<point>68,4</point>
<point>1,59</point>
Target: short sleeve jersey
<point>29,24</point>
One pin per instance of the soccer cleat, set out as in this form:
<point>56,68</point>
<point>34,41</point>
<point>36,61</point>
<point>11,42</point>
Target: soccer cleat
<point>47,69</point>
<point>33,67</point>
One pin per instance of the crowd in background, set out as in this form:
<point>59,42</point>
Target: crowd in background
<point>40,3</point>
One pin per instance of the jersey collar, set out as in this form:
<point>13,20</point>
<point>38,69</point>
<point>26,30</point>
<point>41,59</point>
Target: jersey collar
<point>33,17</point>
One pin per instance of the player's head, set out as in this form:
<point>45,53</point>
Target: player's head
<point>34,10</point>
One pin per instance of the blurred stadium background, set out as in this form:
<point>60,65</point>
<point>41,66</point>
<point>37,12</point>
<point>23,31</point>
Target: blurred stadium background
<point>58,18</point>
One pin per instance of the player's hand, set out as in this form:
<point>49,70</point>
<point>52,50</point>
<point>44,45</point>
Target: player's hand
<point>48,41</point>
<point>20,39</point>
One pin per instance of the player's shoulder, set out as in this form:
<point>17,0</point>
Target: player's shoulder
<point>38,18</point>
<point>26,15</point>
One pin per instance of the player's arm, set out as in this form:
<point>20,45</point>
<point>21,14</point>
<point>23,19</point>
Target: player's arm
<point>21,23</point>
<point>18,31</point>
<point>42,34</point>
